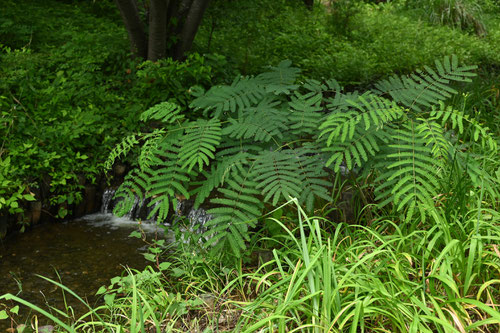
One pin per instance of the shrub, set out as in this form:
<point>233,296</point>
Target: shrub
<point>259,143</point>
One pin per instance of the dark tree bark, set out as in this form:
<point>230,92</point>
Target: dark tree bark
<point>190,27</point>
<point>134,26</point>
<point>172,26</point>
<point>157,44</point>
<point>309,4</point>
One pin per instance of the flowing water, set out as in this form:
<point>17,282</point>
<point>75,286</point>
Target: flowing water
<point>83,254</point>
<point>86,253</point>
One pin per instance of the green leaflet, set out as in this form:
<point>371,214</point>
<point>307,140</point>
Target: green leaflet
<point>199,143</point>
<point>238,210</point>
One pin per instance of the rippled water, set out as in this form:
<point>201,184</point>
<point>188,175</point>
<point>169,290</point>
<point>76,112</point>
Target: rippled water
<point>86,253</point>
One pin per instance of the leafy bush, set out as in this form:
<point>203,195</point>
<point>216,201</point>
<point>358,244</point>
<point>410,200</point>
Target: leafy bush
<point>169,79</point>
<point>259,143</point>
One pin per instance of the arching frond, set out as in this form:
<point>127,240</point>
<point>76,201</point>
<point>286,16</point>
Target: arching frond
<point>456,119</point>
<point>367,111</point>
<point>243,93</point>
<point>357,150</point>
<point>280,79</point>
<point>218,175</point>
<point>313,178</point>
<point>165,112</point>
<point>134,188</point>
<point>151,143</point>
<point>238,208</point>
<point>277,177</point>
<point>168,179</point>
<point>262,122</point>
<point>121,149</point>
<point>305,113</point>
<point>428,87</point>
<point>356,133</point>
<point>410,179</point>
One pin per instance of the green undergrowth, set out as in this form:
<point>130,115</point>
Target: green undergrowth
<point>68,92</point>
<point>314,275</point>
<point>354,42</point>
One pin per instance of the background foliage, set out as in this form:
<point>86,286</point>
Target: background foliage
<point>69,92</point>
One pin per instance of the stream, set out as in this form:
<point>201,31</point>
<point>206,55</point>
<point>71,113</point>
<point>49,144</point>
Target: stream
<point>86,253</point>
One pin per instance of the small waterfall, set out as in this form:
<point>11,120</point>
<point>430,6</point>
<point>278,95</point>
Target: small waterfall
<point>107,199</point>
<point>140,209</point>
<point>133,213</point>
<point>199,217</point>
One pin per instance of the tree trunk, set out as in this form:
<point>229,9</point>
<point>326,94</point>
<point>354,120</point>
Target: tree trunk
<point>134,26</point>
<point>190,27</point>
<point>170,22</point>
<point>176,14</point>
<point>157,45</point>
<point>309,4</point>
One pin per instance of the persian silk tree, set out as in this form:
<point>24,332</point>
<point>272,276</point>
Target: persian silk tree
<point>266,138</point>
<point>161,28</point>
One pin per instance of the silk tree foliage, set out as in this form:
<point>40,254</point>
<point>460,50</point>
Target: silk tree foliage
<point>264,139</point>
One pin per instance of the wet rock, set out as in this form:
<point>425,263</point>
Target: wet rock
<point>3,226</point>
<point>81,208</point>
<point>36,211</point>
<point>119,169</point>
<point>46,329</point>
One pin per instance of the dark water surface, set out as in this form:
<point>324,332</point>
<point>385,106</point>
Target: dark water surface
<point>86,253</point>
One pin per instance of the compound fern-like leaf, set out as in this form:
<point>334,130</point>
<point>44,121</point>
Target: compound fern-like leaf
<point>199,143</point>
<point>427,87</point>
<point>410,177</point>
<point>280,79</point>
<point>305,113</point>
<point>277,176</point>
<point>238,208</point>
<point>262,122</point>
<point>165,112</point>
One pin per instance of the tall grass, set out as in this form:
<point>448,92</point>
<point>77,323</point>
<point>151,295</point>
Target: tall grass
<point>461,14</point>
<point>381,279</point>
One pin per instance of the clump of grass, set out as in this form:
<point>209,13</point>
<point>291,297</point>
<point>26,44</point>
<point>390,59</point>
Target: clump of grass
<point>460,14</point>
<point>382,278</point>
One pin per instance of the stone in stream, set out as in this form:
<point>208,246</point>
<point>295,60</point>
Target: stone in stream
<point>36,211</point>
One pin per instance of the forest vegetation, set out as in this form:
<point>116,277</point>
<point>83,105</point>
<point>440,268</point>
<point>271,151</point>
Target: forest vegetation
<point>346,150</point>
